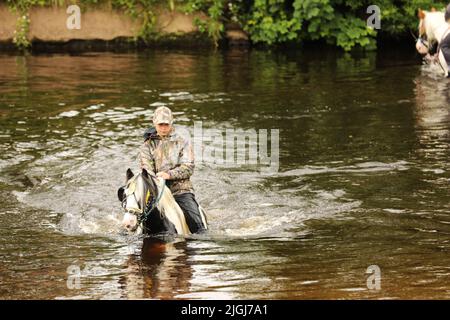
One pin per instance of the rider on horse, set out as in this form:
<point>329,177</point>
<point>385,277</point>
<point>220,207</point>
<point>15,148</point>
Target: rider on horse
<point>171,157</point>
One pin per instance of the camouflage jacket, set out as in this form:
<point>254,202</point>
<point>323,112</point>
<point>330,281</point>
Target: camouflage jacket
<point>173,154</point>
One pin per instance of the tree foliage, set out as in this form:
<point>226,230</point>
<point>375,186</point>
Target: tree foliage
<point>269,22</point>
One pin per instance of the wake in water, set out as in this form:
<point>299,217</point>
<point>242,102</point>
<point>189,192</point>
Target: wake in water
<point>238,204</point>
<point>78,179</point>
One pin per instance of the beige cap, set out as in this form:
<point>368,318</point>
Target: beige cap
<point>162,115</point>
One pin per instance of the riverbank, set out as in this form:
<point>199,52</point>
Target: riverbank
<point>105,27</point>
<point>101,28</point>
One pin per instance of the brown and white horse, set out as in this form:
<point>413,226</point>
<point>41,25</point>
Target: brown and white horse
<point>432,30</point>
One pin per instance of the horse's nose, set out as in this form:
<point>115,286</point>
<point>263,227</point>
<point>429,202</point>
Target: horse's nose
<point>128,225</point>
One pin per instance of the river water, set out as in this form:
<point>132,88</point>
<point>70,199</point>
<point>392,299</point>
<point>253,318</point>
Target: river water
<point>363,177</point>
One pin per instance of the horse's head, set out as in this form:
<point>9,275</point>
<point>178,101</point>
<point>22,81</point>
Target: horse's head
<point>422,44</point>
<point>429,24</point>
<point>138,191</point>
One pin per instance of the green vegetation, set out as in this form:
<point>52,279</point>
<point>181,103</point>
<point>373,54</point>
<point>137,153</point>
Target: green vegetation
<point>269,22</point>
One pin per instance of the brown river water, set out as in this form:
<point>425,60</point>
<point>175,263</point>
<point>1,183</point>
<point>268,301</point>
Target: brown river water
<point>363,176</point>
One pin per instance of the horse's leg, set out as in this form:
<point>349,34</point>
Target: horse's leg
<point>153,250</point>
<point>158,223</point>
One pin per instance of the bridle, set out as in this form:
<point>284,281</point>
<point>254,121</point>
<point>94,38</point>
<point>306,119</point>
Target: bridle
<point>141,213</point>
<point>424,42</point>
<point>131,185</point>
<point>422,35</point>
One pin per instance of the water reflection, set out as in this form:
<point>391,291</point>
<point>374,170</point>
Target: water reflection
<point>363,173</point>
<point>432,112</point>
<point>161,271</point>
<point>432,128</point>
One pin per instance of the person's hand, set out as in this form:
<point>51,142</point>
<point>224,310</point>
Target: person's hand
<point>163,175</point>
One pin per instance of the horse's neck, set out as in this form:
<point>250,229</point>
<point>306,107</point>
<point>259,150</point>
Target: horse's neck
<point>437,26</point>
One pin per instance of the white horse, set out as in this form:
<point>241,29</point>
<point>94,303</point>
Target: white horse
<point>150,207</point>
<point>433,29</point>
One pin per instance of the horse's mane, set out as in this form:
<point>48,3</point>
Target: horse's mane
<point>435,25</point>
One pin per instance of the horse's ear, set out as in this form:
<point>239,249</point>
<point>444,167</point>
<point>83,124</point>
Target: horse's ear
<point>130,174</point>
<point>145,173</point>
<point>421,14</point>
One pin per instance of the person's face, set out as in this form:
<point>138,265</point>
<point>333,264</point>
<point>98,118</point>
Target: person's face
<point>163,129</point>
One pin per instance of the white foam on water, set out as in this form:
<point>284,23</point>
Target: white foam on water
<point>81,183</point>
<point>68,114</point>
<point>158,104</point>
<point>364,167</point>
<point>240,208</point>
<point>95,106</point>
<point>173,94</point>
<point>395,210</point>
<point>436,171</point>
